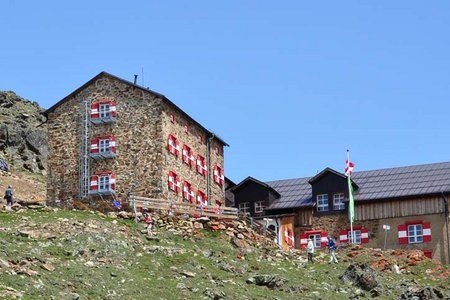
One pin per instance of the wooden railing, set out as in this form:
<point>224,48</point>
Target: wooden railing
<point>176,207</point>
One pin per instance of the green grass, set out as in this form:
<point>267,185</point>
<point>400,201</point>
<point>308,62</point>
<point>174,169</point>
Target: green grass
<point>124,269</point>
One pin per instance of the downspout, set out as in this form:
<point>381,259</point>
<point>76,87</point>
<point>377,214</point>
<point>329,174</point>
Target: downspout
<point>208,159</point>
<point>278,231</point>
<point>446,213</point>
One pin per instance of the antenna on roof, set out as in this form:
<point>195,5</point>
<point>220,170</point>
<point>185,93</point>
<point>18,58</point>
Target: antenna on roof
<point>135,78</point>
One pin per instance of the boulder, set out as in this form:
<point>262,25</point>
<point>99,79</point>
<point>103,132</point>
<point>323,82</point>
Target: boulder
<point>361,275</point>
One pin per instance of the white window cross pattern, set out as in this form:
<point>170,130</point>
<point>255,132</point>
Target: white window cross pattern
<point>104,110</point>
<point>103,183</point>
<point>338,201</point>
<point>104,146</point>
<point>415,234</point>
<point>322,202</point>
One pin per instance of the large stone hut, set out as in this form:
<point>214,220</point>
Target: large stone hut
<point>111,138</point>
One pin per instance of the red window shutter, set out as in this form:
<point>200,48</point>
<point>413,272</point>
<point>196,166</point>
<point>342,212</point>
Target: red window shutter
<point>426,227</point>
<point>222,177</point>
<point>171,143</point>
<point>191,194</point>
<point>205,168</point>
<point>323,239</point>
<point>112,108</point>
<point>343,236</point>
<point>112,181</point>
<point>199,198</point>
<point>191,158</point>
<point>94,111</point>
<point>171,181</point>
<point>216,174</point>
<point>177,147</point>
<point>94,183</point>
<point>94,145</point>
<point>177,184</point>
<point>199,164</point>
<point>364,235</point>
<point>303,240</point>
<point>112,144</point>
<point>185,154</point>
<point>402,234</point>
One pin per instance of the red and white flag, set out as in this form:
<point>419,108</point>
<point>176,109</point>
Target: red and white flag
<point>349,167</point>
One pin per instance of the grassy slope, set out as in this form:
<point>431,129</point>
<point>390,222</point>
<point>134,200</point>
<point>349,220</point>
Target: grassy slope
<point>98,259</point>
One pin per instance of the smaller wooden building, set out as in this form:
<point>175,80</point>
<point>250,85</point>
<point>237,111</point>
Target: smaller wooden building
<point>412,201</point>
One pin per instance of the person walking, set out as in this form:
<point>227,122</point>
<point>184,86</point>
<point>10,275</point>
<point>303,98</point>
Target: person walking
<point>9,195</point>
<point>310,250</point>
<point>332,247</point>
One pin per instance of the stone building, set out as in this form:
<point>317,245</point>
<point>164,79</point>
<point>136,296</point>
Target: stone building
<point>111,137</point>
<point>411,201</point>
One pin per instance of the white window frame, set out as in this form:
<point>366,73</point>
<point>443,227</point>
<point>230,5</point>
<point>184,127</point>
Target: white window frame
<point>356,234</point>
<point>317,239</point>
<point>104,145</point>
<point>338,201</point>
<point>104,110</point>
<point>259,206</point>
<point>415,234</point>
<point>104,183</point>
<point>322,206</point>
<point>244,207</point>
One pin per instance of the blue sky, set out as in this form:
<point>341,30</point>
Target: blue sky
<point>290,85</point>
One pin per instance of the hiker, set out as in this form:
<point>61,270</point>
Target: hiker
<point>149,221</point>
<point>332,247</point>
<point>9,196</point>
<point>310,250</point>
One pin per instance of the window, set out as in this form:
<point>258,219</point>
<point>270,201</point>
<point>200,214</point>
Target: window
<point>174,182</point>
<point>104,110</point>
<point>259,206</point>
<point>202,199</point>
<point>360,234</point>
<point>200,139</point>
<point>415,233</point>
<point>103,183</point>
<point>338,201</point>
<point>104,146</point>
<point>322,202</point>
<point>187,129</point>
<point>218,175</point>
<point>173,118</point>
<point>356,236</point>
<point>188,192</point>
<point>188,156</point>
<point>218,150</point>
<point>201,165</point>
<point>244,208</point>
<point>316,240</point>
<point>173,145</point>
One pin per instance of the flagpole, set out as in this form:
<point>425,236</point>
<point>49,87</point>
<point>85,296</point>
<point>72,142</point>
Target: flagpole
<point>352,239</point>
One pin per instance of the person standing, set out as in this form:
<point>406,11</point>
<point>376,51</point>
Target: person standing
<point>149,222</point>
<point>9,195</point>
<point>310,250</point>
<point>332,247</point>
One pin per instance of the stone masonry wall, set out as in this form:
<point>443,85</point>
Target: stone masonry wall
<point>176,164</point>
<point>137,130</point>
<point>63,159</point>
<point>335,223</point>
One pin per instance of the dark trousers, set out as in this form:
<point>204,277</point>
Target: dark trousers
<point>9,200</point>
<point>310,257</point>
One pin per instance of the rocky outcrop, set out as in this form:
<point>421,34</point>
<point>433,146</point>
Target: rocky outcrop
<point>23,145</point>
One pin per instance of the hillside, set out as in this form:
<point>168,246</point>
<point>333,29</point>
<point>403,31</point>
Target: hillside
<point>56,254</point>
<point>23,137</point>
